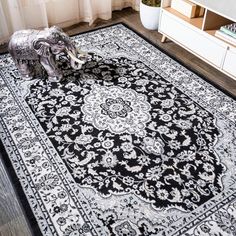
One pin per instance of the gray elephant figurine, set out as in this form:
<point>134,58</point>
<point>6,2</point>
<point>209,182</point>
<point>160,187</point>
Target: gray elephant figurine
<point>30,46</point>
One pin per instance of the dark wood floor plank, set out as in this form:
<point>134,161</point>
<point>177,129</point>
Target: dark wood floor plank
<point>15,227</point>
<point>12,218</point>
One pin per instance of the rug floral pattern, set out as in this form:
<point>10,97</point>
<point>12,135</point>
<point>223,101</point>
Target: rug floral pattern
<point>131,135</point>
<point>116,109</point>
<point>131,144</point>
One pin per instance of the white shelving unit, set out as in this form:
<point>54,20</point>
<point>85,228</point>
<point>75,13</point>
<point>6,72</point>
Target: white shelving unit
<point>197,35</point>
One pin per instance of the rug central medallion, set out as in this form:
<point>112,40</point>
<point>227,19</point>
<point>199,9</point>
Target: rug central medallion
<point>117,109</point>
<point>122,129</point>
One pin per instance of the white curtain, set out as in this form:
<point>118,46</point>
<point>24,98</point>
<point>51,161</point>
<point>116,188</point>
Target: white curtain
<point>23,14</point>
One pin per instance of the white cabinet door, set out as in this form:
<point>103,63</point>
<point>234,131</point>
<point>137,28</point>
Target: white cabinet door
<point>192,38</point>
<point>230,62</point>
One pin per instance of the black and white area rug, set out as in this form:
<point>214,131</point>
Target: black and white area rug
<point>133,144</point>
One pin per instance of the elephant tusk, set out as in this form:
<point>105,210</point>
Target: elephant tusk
<point>81,52</point>
<point>75,58</point>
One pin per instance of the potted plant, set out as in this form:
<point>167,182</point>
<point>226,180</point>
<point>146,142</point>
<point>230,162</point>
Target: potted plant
<point>149,13</point>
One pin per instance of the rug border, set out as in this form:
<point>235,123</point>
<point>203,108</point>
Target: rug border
<point>21,197</point>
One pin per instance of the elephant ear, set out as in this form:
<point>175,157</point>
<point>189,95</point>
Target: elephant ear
<point>42,47</point>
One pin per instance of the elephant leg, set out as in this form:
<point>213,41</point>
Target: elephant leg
<point>24,68</point>
<point>54,74</point>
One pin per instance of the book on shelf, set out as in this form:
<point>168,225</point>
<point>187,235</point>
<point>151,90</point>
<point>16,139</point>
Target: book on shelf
<point>200,11</point>
<point>222,35</point>
<point>229,29</point>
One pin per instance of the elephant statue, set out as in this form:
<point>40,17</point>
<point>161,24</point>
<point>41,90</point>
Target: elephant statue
<point>30,46</point>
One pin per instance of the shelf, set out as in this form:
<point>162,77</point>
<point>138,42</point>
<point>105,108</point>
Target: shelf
<point>214,21</point>
<point>212,33</point>
<point>196,22</point>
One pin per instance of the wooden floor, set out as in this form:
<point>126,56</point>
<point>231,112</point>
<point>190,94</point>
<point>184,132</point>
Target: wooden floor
<point>12,217</point>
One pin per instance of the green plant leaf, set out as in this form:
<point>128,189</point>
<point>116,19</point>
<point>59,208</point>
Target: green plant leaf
<point>152,3</point>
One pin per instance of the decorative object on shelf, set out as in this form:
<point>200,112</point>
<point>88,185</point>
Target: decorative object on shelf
<point>149,13</point>
<point>187,8</point>
<point>28,47</point>
<point>226,37</point>
<point>132,144</point>
<point>229,29</point>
